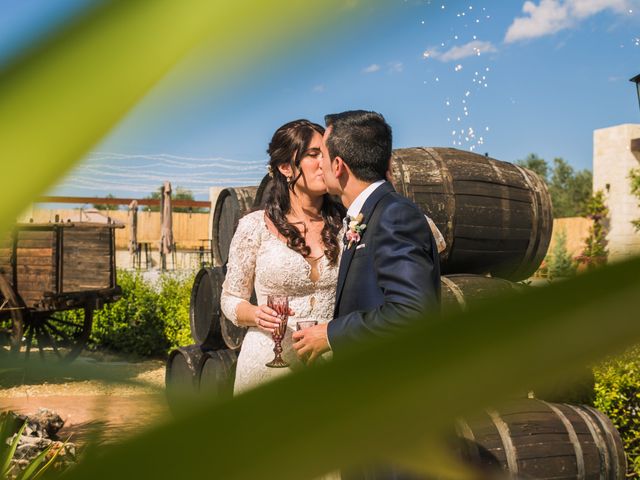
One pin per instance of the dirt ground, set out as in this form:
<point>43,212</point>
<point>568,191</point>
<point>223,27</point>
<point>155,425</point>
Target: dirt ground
<point>105,394</point>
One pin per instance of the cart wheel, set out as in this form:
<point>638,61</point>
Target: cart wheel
<point>65,336</point>
<point>12,314</point>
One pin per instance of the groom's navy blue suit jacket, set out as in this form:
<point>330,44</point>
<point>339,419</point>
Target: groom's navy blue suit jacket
<point>390,275</point>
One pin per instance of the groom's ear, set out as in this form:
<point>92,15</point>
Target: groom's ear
<point>339,167</point>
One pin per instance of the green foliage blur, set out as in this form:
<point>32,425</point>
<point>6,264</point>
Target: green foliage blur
<point>595,253</point>
<point>634,176</point>
<point>149,320</point>
<point>618,397</point>
<point>570,190</point>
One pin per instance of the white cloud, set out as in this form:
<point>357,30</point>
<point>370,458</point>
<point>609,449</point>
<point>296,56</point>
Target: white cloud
<point>586,8</point>
<point>371,68</point>
<point>457,53</point>
<point>551,16</point>
<point>395,67</point>
<point>319,89</point>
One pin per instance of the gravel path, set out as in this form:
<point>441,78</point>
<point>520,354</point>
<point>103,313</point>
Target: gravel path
<point>132,399</point>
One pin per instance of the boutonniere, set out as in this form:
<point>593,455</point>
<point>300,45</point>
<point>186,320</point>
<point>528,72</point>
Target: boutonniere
<point>354,233</point>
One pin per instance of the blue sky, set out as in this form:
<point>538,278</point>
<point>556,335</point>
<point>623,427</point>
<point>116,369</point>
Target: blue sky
<point>507,78</point>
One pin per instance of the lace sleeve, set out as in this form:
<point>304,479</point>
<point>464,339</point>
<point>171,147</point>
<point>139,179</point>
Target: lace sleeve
<point>238,283</point>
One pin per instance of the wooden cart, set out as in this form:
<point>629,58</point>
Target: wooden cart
<point>49,268</point>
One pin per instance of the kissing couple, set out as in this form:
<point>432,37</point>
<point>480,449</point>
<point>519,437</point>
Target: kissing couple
<point>363,273</point>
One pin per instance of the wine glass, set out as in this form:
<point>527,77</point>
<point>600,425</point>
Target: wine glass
<point>279,303</point>
<point>302,324</point>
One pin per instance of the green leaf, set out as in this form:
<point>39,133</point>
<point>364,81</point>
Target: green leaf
<point>8,454</point>
<point>61,99</point>
<point>34,466</point>
<point>391,398</point>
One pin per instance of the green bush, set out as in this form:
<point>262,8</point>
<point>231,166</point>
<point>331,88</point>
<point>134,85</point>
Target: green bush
<point>618,397</point>
<point>149,320</point>
<point>560,263</point>
<point>173,308</point>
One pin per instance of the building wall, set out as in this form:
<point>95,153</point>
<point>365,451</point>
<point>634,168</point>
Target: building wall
<point>612,161</point>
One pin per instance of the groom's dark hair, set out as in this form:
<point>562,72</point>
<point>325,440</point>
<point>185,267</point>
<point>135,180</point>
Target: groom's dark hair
<point>363,140</point>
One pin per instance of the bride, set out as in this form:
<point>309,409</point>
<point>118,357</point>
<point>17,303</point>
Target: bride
<point>291,248</point>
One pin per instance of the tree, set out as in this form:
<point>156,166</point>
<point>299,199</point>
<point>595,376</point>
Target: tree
<point>537,164</point>
<point>179,194</point>
<point>570,191</point>
<point>106,206</point>
<point>560,263</point>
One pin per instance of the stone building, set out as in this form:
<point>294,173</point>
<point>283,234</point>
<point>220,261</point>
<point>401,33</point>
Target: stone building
<point>616,150</point>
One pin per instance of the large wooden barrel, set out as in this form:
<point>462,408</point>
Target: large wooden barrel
<point>495,216</point>
<point>264,189</point>
<point>209,326</point>
<point>231,205</point>
<point>217,373</point>
<point>204,308</point>
<point>181,375</point>
<point>461,290</point>
<point>537,439</point>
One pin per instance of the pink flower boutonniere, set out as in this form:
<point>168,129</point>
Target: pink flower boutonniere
<point>354,233</point>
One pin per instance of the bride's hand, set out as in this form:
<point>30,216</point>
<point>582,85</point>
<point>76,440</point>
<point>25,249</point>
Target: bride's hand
<point>266,318</point>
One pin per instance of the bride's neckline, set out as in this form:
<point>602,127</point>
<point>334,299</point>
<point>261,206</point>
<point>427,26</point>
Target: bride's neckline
<point>312,262</point>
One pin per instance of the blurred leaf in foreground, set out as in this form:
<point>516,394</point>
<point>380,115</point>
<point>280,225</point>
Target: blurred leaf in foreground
<point>392,398</point>
<point>61,98</point>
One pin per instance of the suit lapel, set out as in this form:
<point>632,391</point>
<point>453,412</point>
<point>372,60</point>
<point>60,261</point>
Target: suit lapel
<point>347,255</point>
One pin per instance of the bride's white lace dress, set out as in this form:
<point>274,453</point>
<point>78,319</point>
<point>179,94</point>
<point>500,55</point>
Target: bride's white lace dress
<point>260,260</point>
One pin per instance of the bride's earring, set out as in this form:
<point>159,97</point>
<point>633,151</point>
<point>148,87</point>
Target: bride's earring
<point>288,178</point>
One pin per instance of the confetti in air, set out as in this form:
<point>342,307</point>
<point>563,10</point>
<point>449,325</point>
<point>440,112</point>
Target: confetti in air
<point>462,59</point>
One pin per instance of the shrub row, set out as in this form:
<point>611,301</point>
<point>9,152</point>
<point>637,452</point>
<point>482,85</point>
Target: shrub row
<point>151,318</point>
<point>618,397</point>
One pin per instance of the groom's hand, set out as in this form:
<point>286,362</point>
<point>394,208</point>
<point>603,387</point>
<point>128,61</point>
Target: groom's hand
<point>311,342</point>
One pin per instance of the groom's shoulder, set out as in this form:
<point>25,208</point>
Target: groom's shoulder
<point>399,203</point>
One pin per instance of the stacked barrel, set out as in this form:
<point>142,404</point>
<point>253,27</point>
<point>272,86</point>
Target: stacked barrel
<point>207,368</point>
<point>496,219</point>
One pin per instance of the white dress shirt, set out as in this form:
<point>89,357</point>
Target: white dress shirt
<point>358,203</point>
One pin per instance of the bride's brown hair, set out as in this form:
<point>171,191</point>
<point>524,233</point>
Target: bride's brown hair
<point>289,145</point>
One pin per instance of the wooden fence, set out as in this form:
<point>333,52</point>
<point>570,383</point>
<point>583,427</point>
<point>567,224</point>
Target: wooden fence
<point>190,230</point>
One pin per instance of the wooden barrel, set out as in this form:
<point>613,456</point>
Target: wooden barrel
<point>204,307</point>
<point>264,189</point>
<point>461,290</point>
<point>495,216</point>
<point>231,205</point>
<point>209,326</point>
<point>537,439</point>
<point>217,373</point>
<point>181,375</point>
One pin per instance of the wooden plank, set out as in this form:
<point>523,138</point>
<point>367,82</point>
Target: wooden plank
<point>35,270</point>
<point>77,276</point>
<point>35,261</point>
<point>36,234</point>
<point>35,243</point>
<point>34,252</point>
<point>492,232</point>
<point>562,467</point>
<point>86,287</point>
<point>492,190</point>
<point>35,278</point>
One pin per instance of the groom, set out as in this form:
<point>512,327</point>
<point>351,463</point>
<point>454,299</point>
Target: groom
<point>389,272</point>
